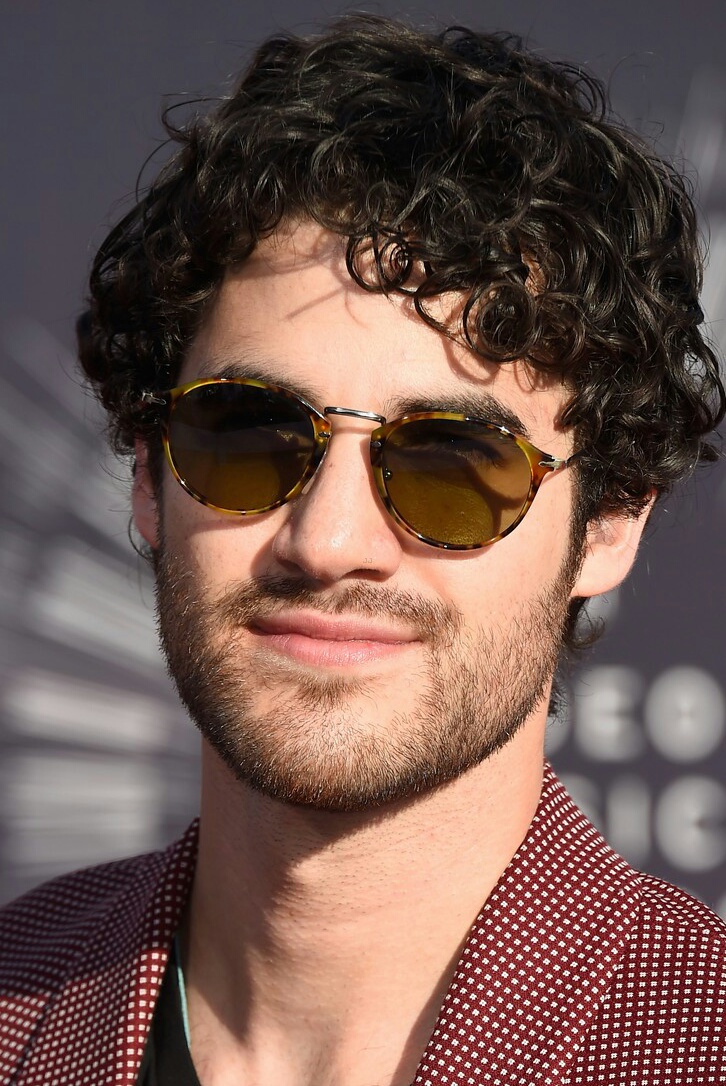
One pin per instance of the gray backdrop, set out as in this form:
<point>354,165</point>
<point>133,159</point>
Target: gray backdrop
<point>96,759</point>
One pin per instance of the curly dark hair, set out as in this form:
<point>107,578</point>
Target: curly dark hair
<point>501,174</point>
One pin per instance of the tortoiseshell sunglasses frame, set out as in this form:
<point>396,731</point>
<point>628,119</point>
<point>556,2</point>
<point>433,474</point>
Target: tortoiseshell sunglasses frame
<point>540,463</point>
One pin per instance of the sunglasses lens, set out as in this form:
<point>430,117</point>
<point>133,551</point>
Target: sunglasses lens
<point>455,482</point>
<point>239,447</point>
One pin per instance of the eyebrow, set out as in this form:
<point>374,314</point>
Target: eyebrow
<point>259,370</point>
<point>480,405</point>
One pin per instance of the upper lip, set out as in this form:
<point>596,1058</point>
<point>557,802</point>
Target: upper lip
<point>333,627</point>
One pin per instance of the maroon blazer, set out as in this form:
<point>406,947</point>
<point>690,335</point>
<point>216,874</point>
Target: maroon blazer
<point>578,970</point>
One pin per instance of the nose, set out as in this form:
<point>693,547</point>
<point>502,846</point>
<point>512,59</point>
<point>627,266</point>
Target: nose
<point>338,527</point>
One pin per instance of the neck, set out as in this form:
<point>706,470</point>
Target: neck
<point>311,933</point>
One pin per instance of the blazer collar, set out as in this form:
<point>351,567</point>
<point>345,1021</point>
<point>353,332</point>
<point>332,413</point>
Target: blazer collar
<point>538,958</point>
<point>534,968</point>
<point>91,1024</point>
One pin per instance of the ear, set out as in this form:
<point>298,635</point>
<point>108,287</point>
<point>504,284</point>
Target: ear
<point>611,544</point>
<point>143,497</point>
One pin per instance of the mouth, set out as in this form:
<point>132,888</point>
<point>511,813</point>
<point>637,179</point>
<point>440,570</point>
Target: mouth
<point>332,641</point>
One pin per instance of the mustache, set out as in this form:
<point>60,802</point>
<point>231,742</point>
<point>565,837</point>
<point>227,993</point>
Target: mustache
<point>263,596</point>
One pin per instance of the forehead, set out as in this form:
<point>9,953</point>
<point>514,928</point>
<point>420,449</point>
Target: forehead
<point>293,314</point>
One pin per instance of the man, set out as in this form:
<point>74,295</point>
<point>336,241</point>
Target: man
<point>405,342</point>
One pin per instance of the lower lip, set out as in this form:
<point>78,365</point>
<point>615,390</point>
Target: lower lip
<point>320,652</point>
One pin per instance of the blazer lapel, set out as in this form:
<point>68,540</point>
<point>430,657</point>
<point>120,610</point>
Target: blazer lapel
<point>92,1029</point>
<point>538,959</point>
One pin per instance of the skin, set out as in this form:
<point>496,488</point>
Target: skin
<point>319,944</point>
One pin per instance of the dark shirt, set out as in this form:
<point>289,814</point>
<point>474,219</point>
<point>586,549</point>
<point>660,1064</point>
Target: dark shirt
<point>167,1060</point>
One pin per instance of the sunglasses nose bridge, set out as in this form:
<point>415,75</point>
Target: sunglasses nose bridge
<point>376,443</point>
<point>369,416</point>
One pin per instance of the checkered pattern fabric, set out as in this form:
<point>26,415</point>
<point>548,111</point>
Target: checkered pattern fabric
<point>577,972</point>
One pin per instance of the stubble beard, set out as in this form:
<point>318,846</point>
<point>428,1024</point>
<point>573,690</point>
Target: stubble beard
<point>319,742</point>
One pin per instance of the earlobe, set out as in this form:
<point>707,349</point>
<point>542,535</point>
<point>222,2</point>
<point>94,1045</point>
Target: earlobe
<point>610,548</point>
<point>143,497</point>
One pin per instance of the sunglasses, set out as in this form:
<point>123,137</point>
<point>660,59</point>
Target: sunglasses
<point>243,446</point>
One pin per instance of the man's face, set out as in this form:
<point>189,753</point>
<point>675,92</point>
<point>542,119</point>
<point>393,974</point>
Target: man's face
<point>330,658</point>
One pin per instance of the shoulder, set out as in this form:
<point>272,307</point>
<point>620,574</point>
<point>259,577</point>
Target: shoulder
<point>648,968</point>
<point>673,926</point>
<point>679,941</point>
<point>667,904</point>
<point>41,931</point>
<point>89,947</point>
<point>663,1017</point>
<point>94,915</point>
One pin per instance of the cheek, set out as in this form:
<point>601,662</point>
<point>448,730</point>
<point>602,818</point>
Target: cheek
<point>546,531</point>
<point>498,580</point>
<point>216,548</point>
